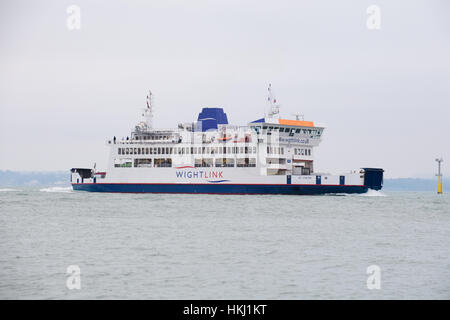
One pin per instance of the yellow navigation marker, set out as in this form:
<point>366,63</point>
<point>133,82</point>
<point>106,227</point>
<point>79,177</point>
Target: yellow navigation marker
<point>439,188</point>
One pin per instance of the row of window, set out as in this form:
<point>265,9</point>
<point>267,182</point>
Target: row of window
<point>291,131</point>
<point>275,150</point>
<point>225,162</point>
<point>127,163</point>
<point>167,162</point>
<point>188,150</point>
<point>302,152</point>
<point>209,150</point>
<point>153,137</point>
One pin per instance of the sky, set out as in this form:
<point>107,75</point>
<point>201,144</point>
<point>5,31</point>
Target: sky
<point>384,93</point>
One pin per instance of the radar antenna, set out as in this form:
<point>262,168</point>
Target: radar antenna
<point>299,116</point>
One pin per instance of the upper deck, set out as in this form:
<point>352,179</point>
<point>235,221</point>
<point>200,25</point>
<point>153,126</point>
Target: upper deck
<point>278,146</point>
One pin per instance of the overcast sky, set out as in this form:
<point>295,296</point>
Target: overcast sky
<point>384,94</point>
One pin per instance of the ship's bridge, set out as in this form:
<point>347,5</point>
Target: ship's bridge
<point>288,128</point>
<point>296,137</point>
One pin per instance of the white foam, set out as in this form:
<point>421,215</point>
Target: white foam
<point>373,193</point>
<point>8,190</point>
<point>57,189</point>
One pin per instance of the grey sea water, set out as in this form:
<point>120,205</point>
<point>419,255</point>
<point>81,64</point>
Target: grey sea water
<point>148,246</point>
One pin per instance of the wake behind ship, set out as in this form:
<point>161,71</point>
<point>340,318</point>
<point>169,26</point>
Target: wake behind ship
<point>270,155</point>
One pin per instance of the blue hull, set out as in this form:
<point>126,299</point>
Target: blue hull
<point>219,188</point>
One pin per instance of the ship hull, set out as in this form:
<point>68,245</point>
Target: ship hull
<point>287,189</point>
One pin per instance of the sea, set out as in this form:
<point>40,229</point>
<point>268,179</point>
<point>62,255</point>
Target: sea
<point>59,244</point>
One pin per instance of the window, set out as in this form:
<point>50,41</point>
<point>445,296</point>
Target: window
<point>140,163</point>
<point>281,129</point>
<point>206,162</point>
<point>246,162</point>
<point>122,163</point>
<point>220,162</point>
<point>161,163</point>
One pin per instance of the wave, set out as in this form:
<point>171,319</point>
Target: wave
<point>8,190</point>
<point>57,189</point>
<point>373,193</point>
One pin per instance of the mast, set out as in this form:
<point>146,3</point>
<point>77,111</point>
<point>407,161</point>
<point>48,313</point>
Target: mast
<point>274,108</point>
<point>148,111</point>
<point>439,175</point>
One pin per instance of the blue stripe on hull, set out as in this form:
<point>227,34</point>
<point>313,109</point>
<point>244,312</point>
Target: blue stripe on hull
<point>219,188</point>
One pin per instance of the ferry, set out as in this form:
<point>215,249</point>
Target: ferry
<point>270,155</point>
